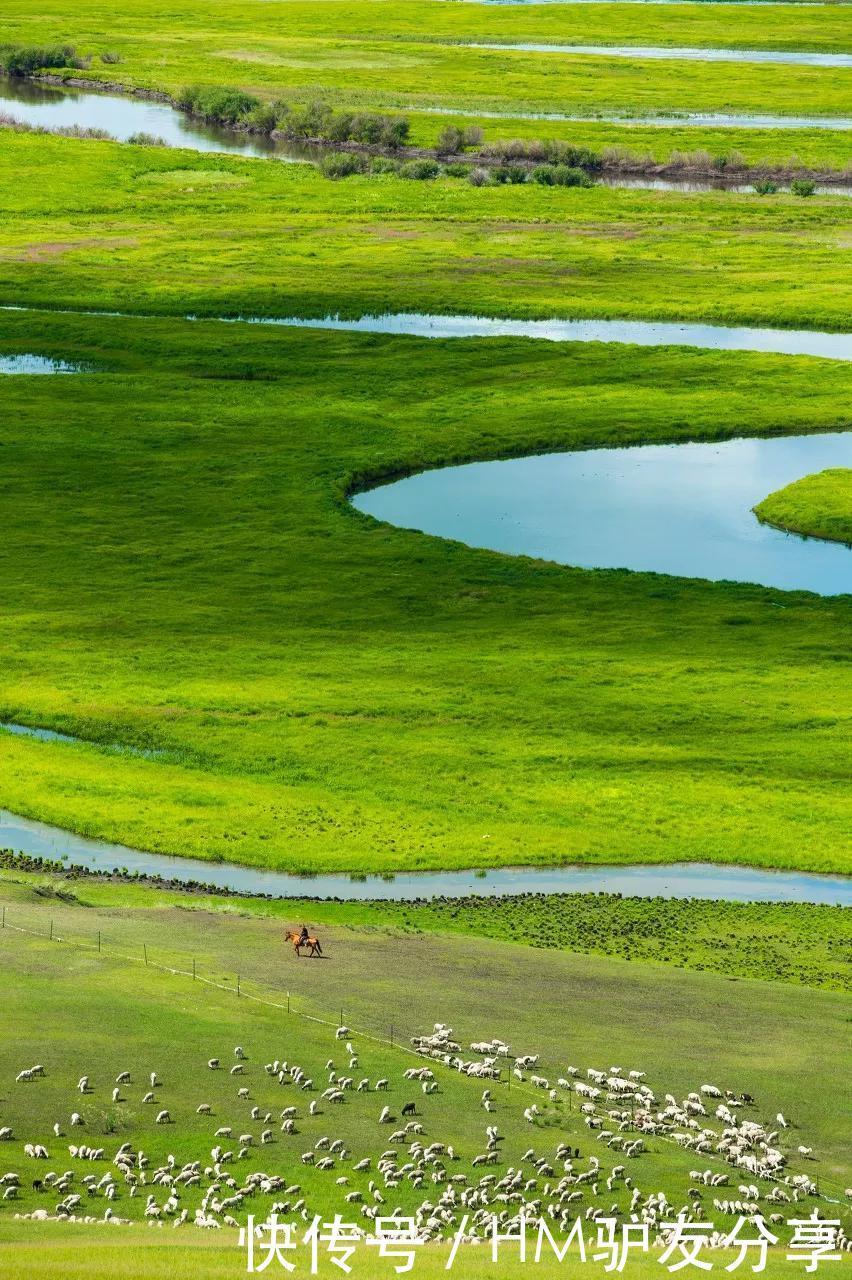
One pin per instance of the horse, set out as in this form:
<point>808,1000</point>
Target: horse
<point>312,942</point>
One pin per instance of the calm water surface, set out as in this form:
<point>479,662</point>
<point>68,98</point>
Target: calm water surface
<point>122,116</point>
<point>676,509</point>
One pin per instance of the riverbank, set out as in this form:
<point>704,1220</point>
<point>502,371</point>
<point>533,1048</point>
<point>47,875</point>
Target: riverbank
<point>612,162</point>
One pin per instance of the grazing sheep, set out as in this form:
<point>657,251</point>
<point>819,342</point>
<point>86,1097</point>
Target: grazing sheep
<point>213,1064</point>
<point>76,1118</point>
<point>239,1051</point>
<point>123,1078</point>
<point>204,1109</point>
<point>163,1117</point>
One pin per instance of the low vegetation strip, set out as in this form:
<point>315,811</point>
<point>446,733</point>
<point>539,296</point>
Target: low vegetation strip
<point>818,506</point>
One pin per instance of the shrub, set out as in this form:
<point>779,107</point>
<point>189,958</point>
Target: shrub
<point>366,129</point>
<point>109,58</point>
<point>223,106</point>
<point>25,61</point>
<point>263,117</point>
<point>765,187</point>
<point>395,132</point>
<point>146,140</point>
<point>543,175</point>
<point>802,187</point>
<point>457,170</point>
<point>479,178</point>
<point>450,140</point>
<point>384,164</point>
<point>342,166</point>
<point>566,175</point>
<point>471,136</point>
<point>311,121</point>
<point>420,170</point>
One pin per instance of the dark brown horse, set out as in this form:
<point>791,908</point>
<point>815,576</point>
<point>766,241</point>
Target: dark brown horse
<point>299,940</point>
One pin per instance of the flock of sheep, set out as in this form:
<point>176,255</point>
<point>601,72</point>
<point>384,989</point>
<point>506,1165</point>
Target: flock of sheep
<point>419,1173</point>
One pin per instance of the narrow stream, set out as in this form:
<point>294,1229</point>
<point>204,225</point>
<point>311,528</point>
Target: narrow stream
<point>768,56</point>
<point>699,119</point>
<point>677,880</point>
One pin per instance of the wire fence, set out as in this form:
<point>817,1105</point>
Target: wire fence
<point>186,965</point>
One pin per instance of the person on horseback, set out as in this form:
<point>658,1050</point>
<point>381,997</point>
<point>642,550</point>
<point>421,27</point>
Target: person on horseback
<point>303,936</point>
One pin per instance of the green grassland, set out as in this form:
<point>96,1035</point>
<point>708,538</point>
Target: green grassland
<point>819,506</point>
<point>799,943</point>
<point>407,56</point>
<point>182,572</point>
<point>93,224</point>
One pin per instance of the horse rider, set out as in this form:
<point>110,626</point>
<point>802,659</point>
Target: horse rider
<point>303,936</point>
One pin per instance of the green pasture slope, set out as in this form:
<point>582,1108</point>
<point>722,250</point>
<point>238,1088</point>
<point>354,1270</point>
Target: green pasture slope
<point>79,1012</point>
<point>819,506</point>
<point>406,56</point>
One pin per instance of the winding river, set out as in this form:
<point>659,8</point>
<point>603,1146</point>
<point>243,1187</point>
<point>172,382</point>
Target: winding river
<point>678,880</point>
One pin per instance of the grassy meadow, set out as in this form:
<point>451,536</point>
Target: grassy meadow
<point>818,506</point>
<point>301,669</point>
<point>95,224</point>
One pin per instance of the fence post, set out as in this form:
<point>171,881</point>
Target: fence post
<point>193,968</point>
<point>99,939</point>
<point>288,1001</point>
<point>391,1038</point>
<point>51,930</point>
<point>238,985</point>
<point>4,918</point>
<point>145,953</point>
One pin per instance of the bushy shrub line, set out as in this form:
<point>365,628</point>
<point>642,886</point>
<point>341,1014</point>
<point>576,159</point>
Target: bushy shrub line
<point>313,120</point>
<point>544,151</point>
<point>26,60</point>
<point>345,165</point>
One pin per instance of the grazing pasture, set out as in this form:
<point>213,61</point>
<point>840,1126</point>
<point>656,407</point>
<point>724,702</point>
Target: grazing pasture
<point>140,1071</point>
<point>791,942</point>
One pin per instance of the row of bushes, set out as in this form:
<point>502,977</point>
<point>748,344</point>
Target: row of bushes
<point>543,151</point>
<point>313,120</point>
<point>546,175</point>
<point>27,60</point>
